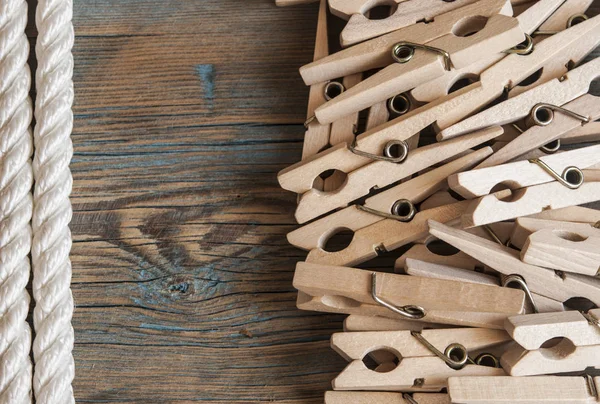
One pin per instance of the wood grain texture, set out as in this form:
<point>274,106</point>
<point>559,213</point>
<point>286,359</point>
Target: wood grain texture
<point>182,276</point>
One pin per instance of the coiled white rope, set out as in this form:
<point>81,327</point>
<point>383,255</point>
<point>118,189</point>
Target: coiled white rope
<point>16,205</point>
<point>53,344</point>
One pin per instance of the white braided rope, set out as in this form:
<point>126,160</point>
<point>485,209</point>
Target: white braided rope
<point>53,344</point>
<point>16,205</point>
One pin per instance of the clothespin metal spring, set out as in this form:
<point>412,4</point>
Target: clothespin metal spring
<point>459,352</point>
<point>333,89</point>
<point>572,177</point>
<point>591,386</point>
<point>403,210</point>
<point>399,104</point>
<point>409,399</point>
<point>524,48</point>
<point>455,350</point>
<point>542,114</point>
<point>409,311</point>
<point>591,318</point>
<point>388,152</point>
<point>403,52</point>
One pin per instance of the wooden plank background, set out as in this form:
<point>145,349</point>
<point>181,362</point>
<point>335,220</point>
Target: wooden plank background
<point>184,113</point>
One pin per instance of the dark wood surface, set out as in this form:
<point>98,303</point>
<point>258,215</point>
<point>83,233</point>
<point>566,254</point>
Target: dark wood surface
<point>182,276</point>
<point>184,113</point>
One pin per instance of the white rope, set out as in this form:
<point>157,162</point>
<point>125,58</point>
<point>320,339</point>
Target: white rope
<point>16,180</point>
<point>53,344</point>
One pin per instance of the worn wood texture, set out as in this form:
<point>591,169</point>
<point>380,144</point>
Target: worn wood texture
<point>182,276</point>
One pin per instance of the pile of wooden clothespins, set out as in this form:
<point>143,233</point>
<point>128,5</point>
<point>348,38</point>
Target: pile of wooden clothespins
<point>505,90</point>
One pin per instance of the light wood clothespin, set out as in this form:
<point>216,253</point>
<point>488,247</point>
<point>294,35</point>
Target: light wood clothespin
<point>363,397</point>
<point>524,390</point>
<point>377,174</point>
<point>424,250</point>
<point>377,52</point>
<point>564,250</point>
<point>525,226</point>
<point>426,359</point>
<point>390,202</point>
<point>479,182</point>
<point>538,302</point>
<point>532,331</point>
<point>545,282</point>
<point>386,235</point>
<point>528,201</point>
<point>542,102</point>
<point>355,322</point>
<point>553,343</point>
<point>417,61</point>
<point>355,291</point>
<point>405,13</point>
<point>561,125</point>
<point>529,21</point>
<point>576,214</point>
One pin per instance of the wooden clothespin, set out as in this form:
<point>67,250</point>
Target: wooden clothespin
<point>524,390</point>
<point>529,21</point>
<point>559,125</point>
<point>363,397</point>
<point>481,33</point>
<point>360,28</point>
<point>389,203</point>
<point>430,249</point>
<point>553,343</point>
<point>359,182</point>
<point>528,201</point>
<point>426,359</point>
<point>387,235</point>
<point>560,287</point>
<point>532,331</point>
<point>537,303</point>
<point>377,53</point>
<point>525,226</point>
<point>564,250</point>
<point>479,182</point>
<point>355,322</point>
<point>355,291</point>
<point>542,102</point>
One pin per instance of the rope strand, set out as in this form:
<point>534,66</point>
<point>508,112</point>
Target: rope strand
<point>53,344</point>
<point>16,179</point>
